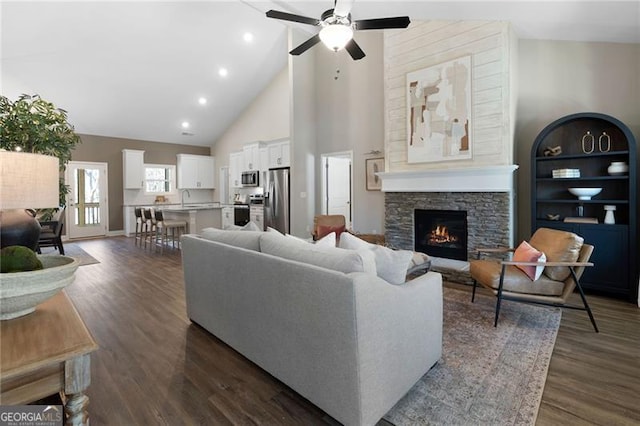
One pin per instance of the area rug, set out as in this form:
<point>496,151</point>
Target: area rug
<point>486,375</point>
<point>75,251</point>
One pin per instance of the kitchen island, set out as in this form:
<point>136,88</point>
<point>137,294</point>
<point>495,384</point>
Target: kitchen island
<point>197,216</point>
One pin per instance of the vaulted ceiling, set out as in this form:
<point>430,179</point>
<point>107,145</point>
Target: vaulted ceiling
<point>138,69</point>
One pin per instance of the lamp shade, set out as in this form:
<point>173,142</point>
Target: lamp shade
<point>28,181</point>
<point>336,36</point>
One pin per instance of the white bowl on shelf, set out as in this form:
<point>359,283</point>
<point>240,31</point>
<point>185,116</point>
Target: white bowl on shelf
<point>585,193</point>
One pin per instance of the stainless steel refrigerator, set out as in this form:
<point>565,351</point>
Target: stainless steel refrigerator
<point>276,200</point>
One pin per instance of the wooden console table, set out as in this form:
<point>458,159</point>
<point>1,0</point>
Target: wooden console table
<point>44,353</point>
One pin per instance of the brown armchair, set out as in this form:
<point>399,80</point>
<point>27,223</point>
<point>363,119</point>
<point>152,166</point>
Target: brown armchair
<point>327,223</point>
<point>566,258</point>
<point>51,232</point>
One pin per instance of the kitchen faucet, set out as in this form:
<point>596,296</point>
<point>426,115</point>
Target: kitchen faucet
<point>182,195</point>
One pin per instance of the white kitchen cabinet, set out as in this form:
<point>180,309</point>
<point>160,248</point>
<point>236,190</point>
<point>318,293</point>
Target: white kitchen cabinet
<point>256,215</point>
<point>133,169</point>
<point>264,158</point>
<point>235,169</point>
<point>279,155</point>
<point>228,218</point>
<point>251,156</point>
<point>196,171</point>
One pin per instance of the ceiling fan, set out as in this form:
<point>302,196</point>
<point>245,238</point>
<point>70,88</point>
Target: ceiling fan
<point>337,28</point>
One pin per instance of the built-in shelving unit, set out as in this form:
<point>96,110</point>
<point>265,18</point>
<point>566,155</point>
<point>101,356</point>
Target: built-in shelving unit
<point>606,140</point>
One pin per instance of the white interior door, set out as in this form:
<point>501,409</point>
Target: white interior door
<point>337,185</point>
<point>87,208</point>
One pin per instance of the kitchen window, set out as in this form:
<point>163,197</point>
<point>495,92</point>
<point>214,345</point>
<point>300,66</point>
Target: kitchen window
<point>159,178</point>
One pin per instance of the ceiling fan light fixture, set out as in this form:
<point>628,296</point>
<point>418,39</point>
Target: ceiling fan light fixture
<point>336,36</point>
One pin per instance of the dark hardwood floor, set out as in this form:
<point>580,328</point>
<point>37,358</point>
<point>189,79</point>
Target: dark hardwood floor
<point>154,367</point>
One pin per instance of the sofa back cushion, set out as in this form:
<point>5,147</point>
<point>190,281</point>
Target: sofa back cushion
<point>391,265</point>
<point>246,239</point>
<point>558,246</point>
<point>337,259</point>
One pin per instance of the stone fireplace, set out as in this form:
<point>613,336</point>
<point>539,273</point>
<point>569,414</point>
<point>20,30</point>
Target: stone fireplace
<point>484,195</point>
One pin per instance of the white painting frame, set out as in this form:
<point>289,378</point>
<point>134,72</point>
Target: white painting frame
<point>439,112</point>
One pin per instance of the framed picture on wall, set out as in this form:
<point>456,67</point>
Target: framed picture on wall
<point>439,112</point>
<point>373,166</point>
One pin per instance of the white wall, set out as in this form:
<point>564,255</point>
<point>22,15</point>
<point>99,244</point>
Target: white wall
<point>428,43</point>
<point>559,78</point>
<point>350,117</point>
<point>302,71</point>
<point>267,118</point>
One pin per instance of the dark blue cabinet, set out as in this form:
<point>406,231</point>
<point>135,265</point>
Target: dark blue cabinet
<point>589,143</point>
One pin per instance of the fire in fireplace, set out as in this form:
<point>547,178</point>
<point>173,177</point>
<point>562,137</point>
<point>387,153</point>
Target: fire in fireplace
<point>441,233</point>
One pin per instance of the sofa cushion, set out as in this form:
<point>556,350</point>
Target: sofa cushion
<point>328,240</point>
<point>526,253</point>
<point>391,265</point>
<point>558,246</point>
<point>250,226</point>
<point>246,239</point>
<point>326,257</point>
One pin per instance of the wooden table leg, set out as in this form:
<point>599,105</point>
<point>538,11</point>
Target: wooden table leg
<point>76,410</point>
<point>77,377</point>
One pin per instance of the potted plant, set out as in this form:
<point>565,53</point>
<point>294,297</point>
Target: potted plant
<point>32,124</point>
<point>41,131</point>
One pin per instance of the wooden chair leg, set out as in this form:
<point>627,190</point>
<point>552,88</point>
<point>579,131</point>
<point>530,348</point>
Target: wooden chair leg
<point>473,294</point>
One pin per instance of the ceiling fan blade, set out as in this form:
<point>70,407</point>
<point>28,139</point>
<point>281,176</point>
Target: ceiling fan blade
<point>382,23</point>
<point>306,45</point>
<point>354,50</point>
<point>342,7</point>
<point>291,17</point>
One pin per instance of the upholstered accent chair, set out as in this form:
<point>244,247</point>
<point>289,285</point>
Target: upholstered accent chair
<point>325,224</point>
<point>566,257</point>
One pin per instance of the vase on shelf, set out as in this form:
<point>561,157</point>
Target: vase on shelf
<point>618,168</point>
<point>609,218</point>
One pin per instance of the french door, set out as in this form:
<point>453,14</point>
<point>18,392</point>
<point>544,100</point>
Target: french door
<point>87,208</point>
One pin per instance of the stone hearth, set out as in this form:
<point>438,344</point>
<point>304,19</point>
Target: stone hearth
<point>488,201</point>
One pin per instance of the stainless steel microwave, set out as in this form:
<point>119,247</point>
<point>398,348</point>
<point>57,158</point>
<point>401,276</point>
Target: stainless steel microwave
<point>251,178</point>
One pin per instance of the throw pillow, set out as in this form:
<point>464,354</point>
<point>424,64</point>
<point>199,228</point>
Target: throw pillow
<point>328,240</point>
<point>391,265</point>
<point>526,253</point>
<point>251,226</point>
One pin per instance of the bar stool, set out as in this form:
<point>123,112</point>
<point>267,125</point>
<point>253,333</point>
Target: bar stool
<point>148,227</point>
<point>162,230</point>
<point>139,225</point>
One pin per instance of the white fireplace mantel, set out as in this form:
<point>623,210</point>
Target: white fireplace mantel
<point>466,179</point>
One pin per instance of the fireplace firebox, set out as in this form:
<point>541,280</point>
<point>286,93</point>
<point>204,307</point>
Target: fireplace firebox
<point>441,233</point>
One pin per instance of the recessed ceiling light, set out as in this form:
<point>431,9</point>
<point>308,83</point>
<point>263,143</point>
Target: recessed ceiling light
<point>223,72</point>
<point>248,37</point>
<point>185,124</point>
<point>202,101</point>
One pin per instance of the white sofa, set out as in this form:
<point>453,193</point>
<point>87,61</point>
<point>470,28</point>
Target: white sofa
<point>350,343</point>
